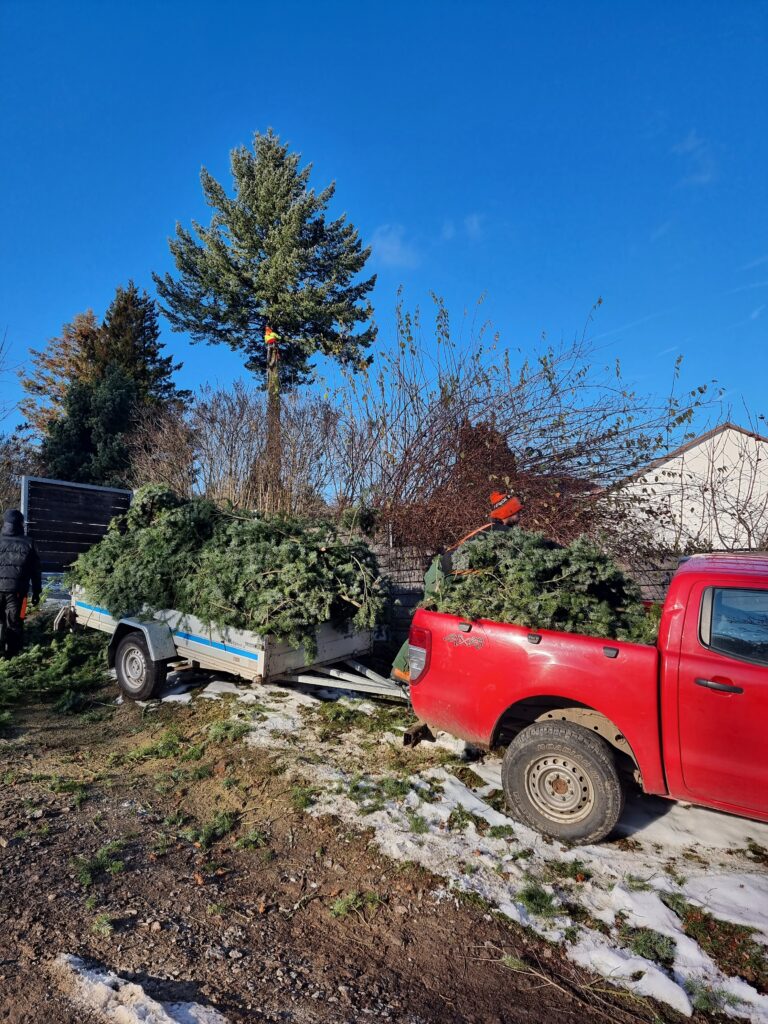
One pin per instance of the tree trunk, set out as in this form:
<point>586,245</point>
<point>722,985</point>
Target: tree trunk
<point>274,445</point>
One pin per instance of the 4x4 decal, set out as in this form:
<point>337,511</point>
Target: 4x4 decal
<point>464,640</point>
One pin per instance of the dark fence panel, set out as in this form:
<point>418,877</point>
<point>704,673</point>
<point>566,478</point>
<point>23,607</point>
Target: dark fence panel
<point>64,519</point>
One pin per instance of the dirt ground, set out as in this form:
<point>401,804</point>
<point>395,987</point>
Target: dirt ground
<point>148,842</point>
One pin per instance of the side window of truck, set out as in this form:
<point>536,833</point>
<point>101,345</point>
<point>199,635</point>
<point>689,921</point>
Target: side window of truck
<point>734,622</point>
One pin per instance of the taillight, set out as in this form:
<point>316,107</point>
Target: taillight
<point>419,648</point>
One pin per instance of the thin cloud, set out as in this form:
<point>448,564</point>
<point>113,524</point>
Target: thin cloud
<point>448,231</point>
<point>761,261</point>
<point>473,225</point>
<point>392,249</point>
<point>696,154</point>
<point>757,313</point>
<point>633,323</point>
<point>746,287</point>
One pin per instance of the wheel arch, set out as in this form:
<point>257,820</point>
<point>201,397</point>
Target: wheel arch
<point>156,635</point>
<point>555,708</point>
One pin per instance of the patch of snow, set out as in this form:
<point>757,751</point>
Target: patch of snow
<point>677,825</point>
<point>497,869</point>
<point>177,698</point>
<point>125,1002</point>
<point>739,898</point>
<point>217,687</point>
<point>635,972</point>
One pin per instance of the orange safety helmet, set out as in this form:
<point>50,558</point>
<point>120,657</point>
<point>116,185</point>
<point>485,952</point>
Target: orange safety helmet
<point>504,505</point>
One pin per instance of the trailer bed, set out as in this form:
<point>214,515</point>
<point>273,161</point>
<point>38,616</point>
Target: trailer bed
<point>176,636</point>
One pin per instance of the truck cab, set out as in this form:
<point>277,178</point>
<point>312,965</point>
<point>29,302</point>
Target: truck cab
<point>578,714</point>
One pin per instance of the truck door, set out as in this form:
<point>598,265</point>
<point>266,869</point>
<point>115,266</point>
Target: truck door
<point>723,697</point>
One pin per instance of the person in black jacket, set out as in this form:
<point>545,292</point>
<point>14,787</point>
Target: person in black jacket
<point>19,567</point>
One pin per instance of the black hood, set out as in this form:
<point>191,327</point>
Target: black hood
<point>13,523</point>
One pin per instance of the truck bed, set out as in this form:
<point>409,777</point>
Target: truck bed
<point>476,675</point>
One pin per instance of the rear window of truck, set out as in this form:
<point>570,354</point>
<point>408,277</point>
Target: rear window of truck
<point>734,622</point>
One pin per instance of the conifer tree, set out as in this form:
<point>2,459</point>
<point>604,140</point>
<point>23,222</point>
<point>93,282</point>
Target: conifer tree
<point>129,338</point>
<point>87,443</point>
<point>71,356</point>
<point>271,259</point>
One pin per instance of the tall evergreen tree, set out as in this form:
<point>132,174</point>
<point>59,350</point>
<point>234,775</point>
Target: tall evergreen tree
<point>129,338</point>
<point>88,442</point>
<point>271,259</point>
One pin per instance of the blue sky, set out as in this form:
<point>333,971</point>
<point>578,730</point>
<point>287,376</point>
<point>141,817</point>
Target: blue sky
<point>541,153</point>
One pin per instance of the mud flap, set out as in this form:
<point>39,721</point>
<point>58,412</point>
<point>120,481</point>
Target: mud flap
<point>416,733</point>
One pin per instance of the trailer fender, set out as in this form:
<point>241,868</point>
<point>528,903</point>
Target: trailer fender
<point>158,636</point>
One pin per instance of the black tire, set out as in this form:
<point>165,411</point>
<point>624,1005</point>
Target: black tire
<point>561,780</point>
<point>137,675</point>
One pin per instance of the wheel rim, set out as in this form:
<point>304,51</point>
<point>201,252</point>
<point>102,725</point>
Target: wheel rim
<point>559,788</point>
<point>134,668</point>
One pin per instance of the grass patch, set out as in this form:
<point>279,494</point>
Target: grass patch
<point>167,745</point>
<point>636,884</point>
<point>465,774</point>
<point>537,900</point>
<point>102,925</point>
<point>337,717</point>
<point>731,946</point>
<point>228,731</point>
<point>371,795</point>
<point>648,943</point>
<point>194,752</point>
<point>474,899</point>
<point>460,819</point>
<point>501,832</point>
<point>708,999</point>
<point>497,801</point>
<point>573,869</point>
<point>303,797</point>
<point>104,861</point>
<point>356,903</point>
<point>77,789</point>
<point>254,839</point>
<point>212,831</point>
<point>417,824</point>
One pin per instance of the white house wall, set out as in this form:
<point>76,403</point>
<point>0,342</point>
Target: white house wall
<point>712,496</point>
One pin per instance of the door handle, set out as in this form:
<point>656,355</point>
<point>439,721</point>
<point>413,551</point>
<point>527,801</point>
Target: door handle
<point>712,684</point>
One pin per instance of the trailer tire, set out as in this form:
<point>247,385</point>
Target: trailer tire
<point>561,779</point>
<point>138,676</point>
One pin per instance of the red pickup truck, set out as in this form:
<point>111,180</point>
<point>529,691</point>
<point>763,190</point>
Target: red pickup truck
<point>687,717</point>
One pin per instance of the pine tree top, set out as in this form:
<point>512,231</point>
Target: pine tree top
<point>271,258</point>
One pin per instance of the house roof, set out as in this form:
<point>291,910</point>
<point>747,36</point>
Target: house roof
<point>694,443</point>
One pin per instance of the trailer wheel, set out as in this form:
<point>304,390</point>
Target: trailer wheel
<point>561,779</point>
<point>137,675</point>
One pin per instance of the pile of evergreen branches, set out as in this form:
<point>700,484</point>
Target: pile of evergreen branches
<point>522,577</point>
<point>276,576</point>
<point>61,666</point>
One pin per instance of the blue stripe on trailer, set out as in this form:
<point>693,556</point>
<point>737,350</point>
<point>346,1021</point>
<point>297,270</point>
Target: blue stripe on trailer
<point>214,643</point>
<point>91,608</point>
<point>184,636</point>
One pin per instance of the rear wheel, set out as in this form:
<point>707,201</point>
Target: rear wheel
<point>561,780</point>
<point>137,675</point>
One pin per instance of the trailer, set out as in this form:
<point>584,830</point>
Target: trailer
<point>142,649</point>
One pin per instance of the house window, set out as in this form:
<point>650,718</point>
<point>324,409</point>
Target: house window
<point>734,621</point>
